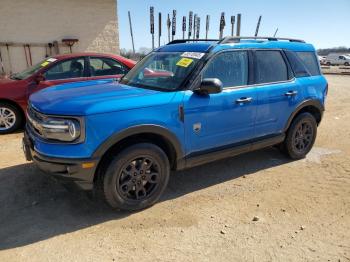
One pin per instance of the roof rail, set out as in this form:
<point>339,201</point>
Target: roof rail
<point>237,39</point>
<point>182,41</point>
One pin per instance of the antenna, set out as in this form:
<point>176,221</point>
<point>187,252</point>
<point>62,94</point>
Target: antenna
<point>258,26</point>
<point>275,32</point>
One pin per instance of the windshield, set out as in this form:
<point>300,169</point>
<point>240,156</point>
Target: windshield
<point>162,70</point>
<point>33,69</point>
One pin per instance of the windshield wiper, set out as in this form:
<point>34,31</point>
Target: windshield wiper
<point>14,77</point>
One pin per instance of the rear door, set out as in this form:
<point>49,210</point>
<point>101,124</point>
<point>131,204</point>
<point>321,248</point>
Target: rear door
<point>105,68</point>
<point>217,121</point>
<point>277,90</point>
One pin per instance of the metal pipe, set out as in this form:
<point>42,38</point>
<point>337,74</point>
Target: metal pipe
<point>160,27</point>
<point>233,20</point>
<point>152,24</point>
<point>168,25</point>
<point>258,26</point>
<point>207,26</point>
<point>238,31</point>
<point>190,24</point>
<point>132,35</point>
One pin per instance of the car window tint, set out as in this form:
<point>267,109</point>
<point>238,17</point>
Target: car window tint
<point>297,64</point>
<point>72,68</point>
<point>310,61</point>
<point>102,66</point>
<point>270,67</point>
<point>230,67</point>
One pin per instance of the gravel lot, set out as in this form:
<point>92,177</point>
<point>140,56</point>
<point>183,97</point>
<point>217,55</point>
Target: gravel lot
<point>302,207</point>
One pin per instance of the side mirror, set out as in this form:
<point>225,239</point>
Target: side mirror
<point>209,86</point>
<point>39,78</point>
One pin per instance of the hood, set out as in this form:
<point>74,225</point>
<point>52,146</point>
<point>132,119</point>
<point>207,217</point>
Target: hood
<point>94,97</point>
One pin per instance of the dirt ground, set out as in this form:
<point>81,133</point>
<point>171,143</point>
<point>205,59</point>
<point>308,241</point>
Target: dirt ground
<point>206,213</point>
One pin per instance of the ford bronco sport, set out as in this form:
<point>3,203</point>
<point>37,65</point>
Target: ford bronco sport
<point>213,99</point>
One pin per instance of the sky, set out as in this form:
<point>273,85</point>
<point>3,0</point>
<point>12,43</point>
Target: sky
<point>323,23</point>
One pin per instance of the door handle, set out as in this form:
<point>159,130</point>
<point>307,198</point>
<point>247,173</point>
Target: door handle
<point>244,100</point>
<point>291,93</point>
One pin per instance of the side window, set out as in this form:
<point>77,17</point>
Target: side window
<point>310,61</point>
<point>297,64</point>
<point>102,66</point>
<point>71,68</point>
<point>270,67</point>
<point>230,67</point>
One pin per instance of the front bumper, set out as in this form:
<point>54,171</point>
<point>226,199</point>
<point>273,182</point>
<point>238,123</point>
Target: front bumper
<point>80,171</point>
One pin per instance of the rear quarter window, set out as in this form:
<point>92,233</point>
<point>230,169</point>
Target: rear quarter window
<point>310,61</point>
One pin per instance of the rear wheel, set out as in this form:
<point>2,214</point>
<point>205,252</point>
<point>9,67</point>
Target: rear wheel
<point>328,63</point>
<point>301,136</point>
<point>136,177</point>
<point>10,118</point>
<point>346,63</point>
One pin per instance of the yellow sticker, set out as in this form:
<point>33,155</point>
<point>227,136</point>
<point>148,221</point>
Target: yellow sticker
<point>184,62</point>
<point>45,63</point>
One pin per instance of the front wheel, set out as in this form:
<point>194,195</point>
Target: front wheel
<point>10,118</point>
<point>136,177</point>
<point>301,136</point>
<point>346,63</point>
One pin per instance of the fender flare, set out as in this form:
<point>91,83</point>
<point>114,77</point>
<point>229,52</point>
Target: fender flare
<point>140,129</point>
<point>311,102</point>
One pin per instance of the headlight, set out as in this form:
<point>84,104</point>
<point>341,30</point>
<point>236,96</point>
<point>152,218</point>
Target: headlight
<point>66,130</point>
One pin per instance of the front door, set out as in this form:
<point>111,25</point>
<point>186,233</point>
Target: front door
<point>217,121</point>
<point>66,71</point>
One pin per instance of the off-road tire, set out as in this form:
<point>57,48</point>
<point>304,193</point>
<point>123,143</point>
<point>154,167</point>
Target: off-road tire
<point>112,184</point>
<point>302,131</point>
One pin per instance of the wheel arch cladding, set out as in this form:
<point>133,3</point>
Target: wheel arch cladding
<point>313,107</point>
<point>153,134</point>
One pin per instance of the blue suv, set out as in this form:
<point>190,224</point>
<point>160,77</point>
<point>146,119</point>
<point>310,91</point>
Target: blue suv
<point>183,105</point>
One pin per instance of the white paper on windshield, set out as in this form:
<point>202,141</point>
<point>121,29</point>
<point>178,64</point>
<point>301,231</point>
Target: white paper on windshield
<point>195,55</point>
<point>51,59</point>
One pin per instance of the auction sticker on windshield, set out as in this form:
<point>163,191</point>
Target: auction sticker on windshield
<point>184,62</point>
<point>48,61</point>
<point>195,55</point>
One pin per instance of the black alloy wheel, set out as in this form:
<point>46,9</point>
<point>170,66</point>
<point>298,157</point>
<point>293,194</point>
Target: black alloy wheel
<point>136,177</point>
<point>301,136</point>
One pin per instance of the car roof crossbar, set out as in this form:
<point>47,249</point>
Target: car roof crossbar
<point>237,39</point>
<point>182,41</point>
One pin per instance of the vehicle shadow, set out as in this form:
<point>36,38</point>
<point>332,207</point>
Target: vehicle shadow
<point>35,207</point>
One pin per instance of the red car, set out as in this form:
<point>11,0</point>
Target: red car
<point>15,91</point>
